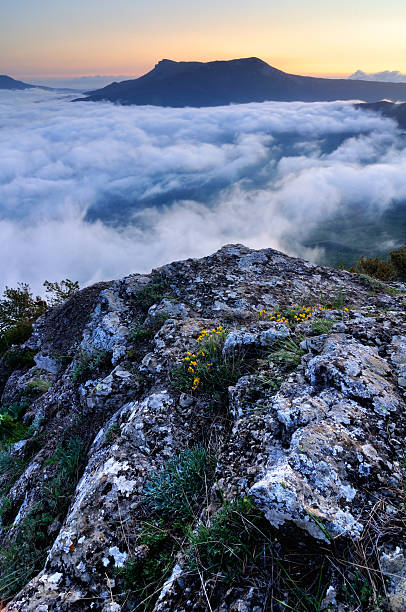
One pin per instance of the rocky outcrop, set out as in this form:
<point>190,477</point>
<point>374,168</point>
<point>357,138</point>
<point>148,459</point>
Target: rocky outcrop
<point>310,426</point>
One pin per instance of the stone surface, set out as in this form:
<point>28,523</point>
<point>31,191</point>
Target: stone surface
<point>317,450</point>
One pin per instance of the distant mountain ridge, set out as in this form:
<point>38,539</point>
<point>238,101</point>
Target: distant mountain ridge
<point>238,81</point>
<point>7,82</point>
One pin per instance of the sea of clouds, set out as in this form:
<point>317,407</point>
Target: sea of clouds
<point>97,191</point>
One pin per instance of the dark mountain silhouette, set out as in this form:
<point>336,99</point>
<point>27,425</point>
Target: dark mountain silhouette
<point>388,109</point>
<point>237,81</point>
<point>7,82</point>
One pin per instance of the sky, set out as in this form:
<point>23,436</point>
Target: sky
<point>51,38</point>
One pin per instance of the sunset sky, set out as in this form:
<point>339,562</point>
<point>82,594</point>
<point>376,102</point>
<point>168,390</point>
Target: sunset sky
<point>75,37</point>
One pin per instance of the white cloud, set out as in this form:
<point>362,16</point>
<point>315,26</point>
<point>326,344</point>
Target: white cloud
<point>165,184</point>
<point>388,76</point>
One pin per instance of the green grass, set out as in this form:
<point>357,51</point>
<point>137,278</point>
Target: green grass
<point>142,578</point>
<point>178,489</point>
<point>287,353</point>
<point>231,540</point>
<point>321,326</point>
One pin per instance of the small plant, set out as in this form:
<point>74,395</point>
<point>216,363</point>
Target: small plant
<point>321,326</point>
<point>150,294</point>
<point>144,333</point>
<point>178,489</point>
<point>230,541</point>
<point>140,334</point>
<point>287,353</point>
<point>11,429</point>
<point>143,576</point>
<point>209,370</point>
<point>36,386</point>
<point>15,335</point>
<point>112,432</point>
<point>88,364</point>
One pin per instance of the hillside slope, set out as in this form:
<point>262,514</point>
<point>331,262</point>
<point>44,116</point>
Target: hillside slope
<point>223,434</point>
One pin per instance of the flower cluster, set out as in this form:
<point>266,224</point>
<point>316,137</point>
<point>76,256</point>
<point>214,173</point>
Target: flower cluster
<point>209,334</point>
<point>196,366</point>
<point>273,316</point>
<point>293,315</point>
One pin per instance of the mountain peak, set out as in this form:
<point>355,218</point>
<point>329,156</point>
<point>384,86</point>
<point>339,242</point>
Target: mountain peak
<point>237,81</point>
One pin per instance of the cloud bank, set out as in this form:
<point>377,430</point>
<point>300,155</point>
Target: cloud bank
<point>97,191</point>
<point>388,76</point>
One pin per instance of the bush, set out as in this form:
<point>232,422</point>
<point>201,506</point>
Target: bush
<point>19,305</point>
<point>398,261</point>
<point>19,358</point>
<point>375,267</point>
<point>15,335</point>
<point>57,293</point>
<point>179,488</point>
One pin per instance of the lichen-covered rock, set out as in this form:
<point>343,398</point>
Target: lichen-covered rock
<point>318,445</point>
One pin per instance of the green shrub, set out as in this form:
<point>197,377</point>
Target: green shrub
<point>15,335</point>
<point>89,364</point>
<point>11,429</point>
<point>19,359</point>
<point>179,488</point>
<point>150,294</point>
<point>398,261</point>
<point>19,305</point>
<point>375,267</point>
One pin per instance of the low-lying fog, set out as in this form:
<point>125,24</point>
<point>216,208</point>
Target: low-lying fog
<point>97,191</point>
